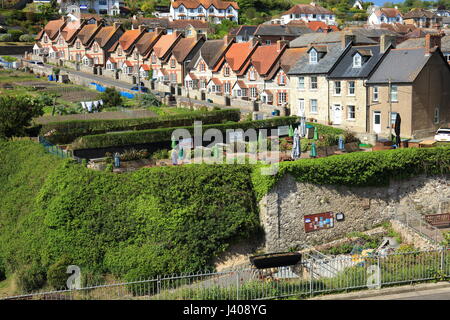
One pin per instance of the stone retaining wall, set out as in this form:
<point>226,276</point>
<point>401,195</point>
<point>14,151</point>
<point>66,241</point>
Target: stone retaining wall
<point>283,209</point>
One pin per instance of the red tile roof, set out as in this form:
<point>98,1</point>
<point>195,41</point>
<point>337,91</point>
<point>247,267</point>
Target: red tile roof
<point>388,12</point>
<point>164,44</point>
<point>216,81</point>
<point>183,48</point>
<point>193,4</point>
<point>237,55</point>
<point>87,32</point>
<point>146,42</point>
<point>316,25</point>
<point>263,58</point>
<point>104,35</point>
<point>129,38</point>
<point>70,30</point>
<point>146,67</point>
<point>53,26</point>
<point>128,63</point>
<point>307,9</point>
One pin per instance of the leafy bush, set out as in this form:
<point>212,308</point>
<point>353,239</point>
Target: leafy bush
<point>15,34</point>
<point>57,274</point>
<point>133,154</point>
<point>30,278</point>
<point>16,113</point>
<point>26,38</point>
<point>6,37</point>
<point>161,154</point>
<point>111,98</point>
<point>64,132</point>
<point>165,134</point>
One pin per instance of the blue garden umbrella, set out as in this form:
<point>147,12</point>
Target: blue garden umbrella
<point>313,151</point>
<point>295,154</point>
<point>181,154</point>
<point>341,143</point>
<point>302,127</point>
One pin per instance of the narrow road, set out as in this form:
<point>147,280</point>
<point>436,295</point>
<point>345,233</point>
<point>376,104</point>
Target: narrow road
<point>125,85</point>
<point>437,294</point>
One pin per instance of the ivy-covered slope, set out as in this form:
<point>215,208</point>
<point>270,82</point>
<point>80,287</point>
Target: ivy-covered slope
<point>153,221</point>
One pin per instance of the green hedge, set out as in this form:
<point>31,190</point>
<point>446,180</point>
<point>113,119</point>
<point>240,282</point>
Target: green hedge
<point>165,134</point>
<point>358,168</point>
<point>65,132</point>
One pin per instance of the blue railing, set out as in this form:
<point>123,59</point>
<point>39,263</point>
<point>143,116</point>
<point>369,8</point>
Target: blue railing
<point>53,149</point>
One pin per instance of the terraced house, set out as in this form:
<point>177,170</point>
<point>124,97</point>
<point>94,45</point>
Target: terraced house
<point>413,82</point>
<point>349,99</point>
<point>46,38</point>
<point>158,57</point>
<point>200,68</point>
<point>120,52</point>
<point>97,51</point>
<point>226,72</point>
<point>82,42</point>
<point>208,10</point>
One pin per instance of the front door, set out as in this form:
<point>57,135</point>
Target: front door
<point>377,121</point>
<point>337,114</point>
<point>301,107</point>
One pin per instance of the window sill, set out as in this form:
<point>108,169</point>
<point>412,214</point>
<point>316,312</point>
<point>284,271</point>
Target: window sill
<point>351,95</point>
<point>352,120</point>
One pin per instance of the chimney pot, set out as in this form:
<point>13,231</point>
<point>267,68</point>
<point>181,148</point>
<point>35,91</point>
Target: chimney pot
<point>386,41</point>
<point>432,40</point>
<point>142,28</point>
<point>347,38</point>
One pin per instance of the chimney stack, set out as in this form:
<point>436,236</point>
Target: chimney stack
<point>142,28</point>
<point>347,38</point>
<point>386,41</point>
<point>432,40</point>
<point>281,44</point>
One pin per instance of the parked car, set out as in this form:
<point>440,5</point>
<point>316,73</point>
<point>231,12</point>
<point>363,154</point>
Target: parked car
<point>143,89</point>
<point>37,62</point>
<point>442,135</point>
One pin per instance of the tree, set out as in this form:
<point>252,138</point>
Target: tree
<point>16,114</point>
<point>111,98</point>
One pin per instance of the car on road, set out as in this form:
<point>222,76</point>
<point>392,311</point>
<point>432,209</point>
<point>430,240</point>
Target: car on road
<point>37,62</point>
<point>442,135</point>
<point>143,89</point>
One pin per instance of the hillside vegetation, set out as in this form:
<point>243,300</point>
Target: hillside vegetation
<point>155,220</point>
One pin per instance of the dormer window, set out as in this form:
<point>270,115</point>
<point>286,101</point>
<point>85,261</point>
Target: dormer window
<point>357,61</point>
<point>226,71</point>
<point>313,56</point>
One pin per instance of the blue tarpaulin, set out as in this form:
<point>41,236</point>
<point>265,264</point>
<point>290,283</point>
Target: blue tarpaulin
<point>50,78</point>
<point>126,94</point>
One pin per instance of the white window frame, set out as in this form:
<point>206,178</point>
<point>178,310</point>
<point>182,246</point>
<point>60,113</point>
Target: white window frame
<point>316,82</point>
<point>394,93</point>
<point>351,109</point>
<point>351,87</point>
<point>313,56</point>
<point>282,98</point>
<point>301,83</point>
<point>357,61</point>
<point>316,106</point>
<point>375,94</point>
<point>337,88</point>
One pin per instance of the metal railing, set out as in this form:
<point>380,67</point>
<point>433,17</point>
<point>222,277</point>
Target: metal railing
<point>300,281</point>
<point>418,223</point>
<point>56,150</point>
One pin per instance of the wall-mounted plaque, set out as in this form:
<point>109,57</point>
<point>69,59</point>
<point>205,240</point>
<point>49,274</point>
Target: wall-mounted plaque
<point>319,221</point>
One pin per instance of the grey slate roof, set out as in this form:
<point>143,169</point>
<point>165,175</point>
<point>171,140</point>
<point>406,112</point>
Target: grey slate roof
<point>244,31</point>
<point>319,37</point>
<point>400,66</point>
<point>373,33</point>
<point>324,65</point>
<point>210,52</point>
<point>344,68</point>
<point>281,30</point>
<point>420,42</point>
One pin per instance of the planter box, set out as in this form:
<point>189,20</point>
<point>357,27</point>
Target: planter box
<point>273,260</point>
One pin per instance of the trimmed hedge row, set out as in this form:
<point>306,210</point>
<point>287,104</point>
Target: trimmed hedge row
<point>64,132</point>
<point>359,168</point>
<point>165,134</point>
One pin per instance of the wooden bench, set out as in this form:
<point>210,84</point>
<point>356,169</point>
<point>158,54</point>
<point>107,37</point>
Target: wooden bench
<point>438,220</point>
